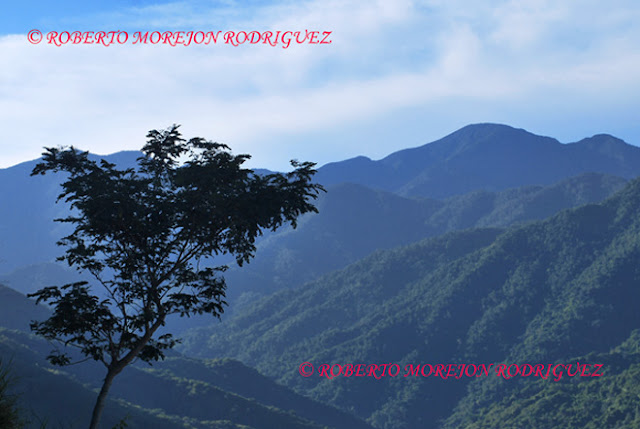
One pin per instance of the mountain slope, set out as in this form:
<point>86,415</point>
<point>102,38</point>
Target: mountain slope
<point>17,312</point>
<point>546,292</point>
<point>355,221</point>
<point>610,401</point>
<point>28,233</point>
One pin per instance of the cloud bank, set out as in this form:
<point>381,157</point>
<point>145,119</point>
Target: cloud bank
<point>397,74</point>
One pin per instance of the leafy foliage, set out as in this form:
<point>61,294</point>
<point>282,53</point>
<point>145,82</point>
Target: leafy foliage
<point>143,233</point>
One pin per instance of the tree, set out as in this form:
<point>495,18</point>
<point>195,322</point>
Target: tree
<point>9,415</point>
<point>145,234</point>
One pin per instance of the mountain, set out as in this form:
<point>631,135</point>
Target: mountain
<point>491,157</point>
<point>28,234</point>
<point>487,157</point>
<point>17,312</point>
<point>33,277</point>
<point>556,291</point>
<point>176,393</point>
<point>354,221</point>
<point>340,234</point>
<point>27,231</point>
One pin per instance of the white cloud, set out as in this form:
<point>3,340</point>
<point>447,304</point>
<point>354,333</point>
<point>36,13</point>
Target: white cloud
<point>525,23</point>
<point>386,56</point>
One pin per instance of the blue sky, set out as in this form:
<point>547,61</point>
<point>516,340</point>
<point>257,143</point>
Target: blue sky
<point>397,74</point>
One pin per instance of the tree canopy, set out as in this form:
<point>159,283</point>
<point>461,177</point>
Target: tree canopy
<point>145,234</point>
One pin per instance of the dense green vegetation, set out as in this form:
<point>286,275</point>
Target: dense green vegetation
<point>354,221</point>
<point>551,291</point>
<point>611,401</point>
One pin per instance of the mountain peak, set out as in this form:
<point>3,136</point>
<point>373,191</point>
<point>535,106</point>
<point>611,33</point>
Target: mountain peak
<point>480,133</point>
<point>488,127</point>
<point>489,156</point>
<point>602,140</point>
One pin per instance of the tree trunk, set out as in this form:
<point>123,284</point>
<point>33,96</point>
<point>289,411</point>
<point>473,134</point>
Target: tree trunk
<point>116,367</point>
<point>97,409</point>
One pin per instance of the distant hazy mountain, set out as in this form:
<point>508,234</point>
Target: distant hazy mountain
<point>28,207</point>
<point>17,312</point>
<point>27,231</point>
<point>563,290</point>
<point>485,156</point>
<point>31,278</point>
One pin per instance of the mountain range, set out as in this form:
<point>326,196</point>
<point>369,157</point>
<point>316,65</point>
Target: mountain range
<point>490,245</point>
<point>355,221</point>
<point>562,290</point>
<point>489,157</point>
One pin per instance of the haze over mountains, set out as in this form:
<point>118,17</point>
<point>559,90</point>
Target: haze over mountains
<point>472,167</point>
<point>519,288</point>
<point>486,157</point>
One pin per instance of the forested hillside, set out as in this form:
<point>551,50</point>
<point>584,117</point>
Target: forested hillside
<point>355,221</point>
<point>557,291</point>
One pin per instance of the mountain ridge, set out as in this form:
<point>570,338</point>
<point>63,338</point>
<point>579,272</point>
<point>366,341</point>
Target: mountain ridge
<point>485,156</point>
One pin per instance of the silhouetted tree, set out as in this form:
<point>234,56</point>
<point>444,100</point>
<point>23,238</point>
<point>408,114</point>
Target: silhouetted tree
<point>9,415</point>
<point>143,233</point>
